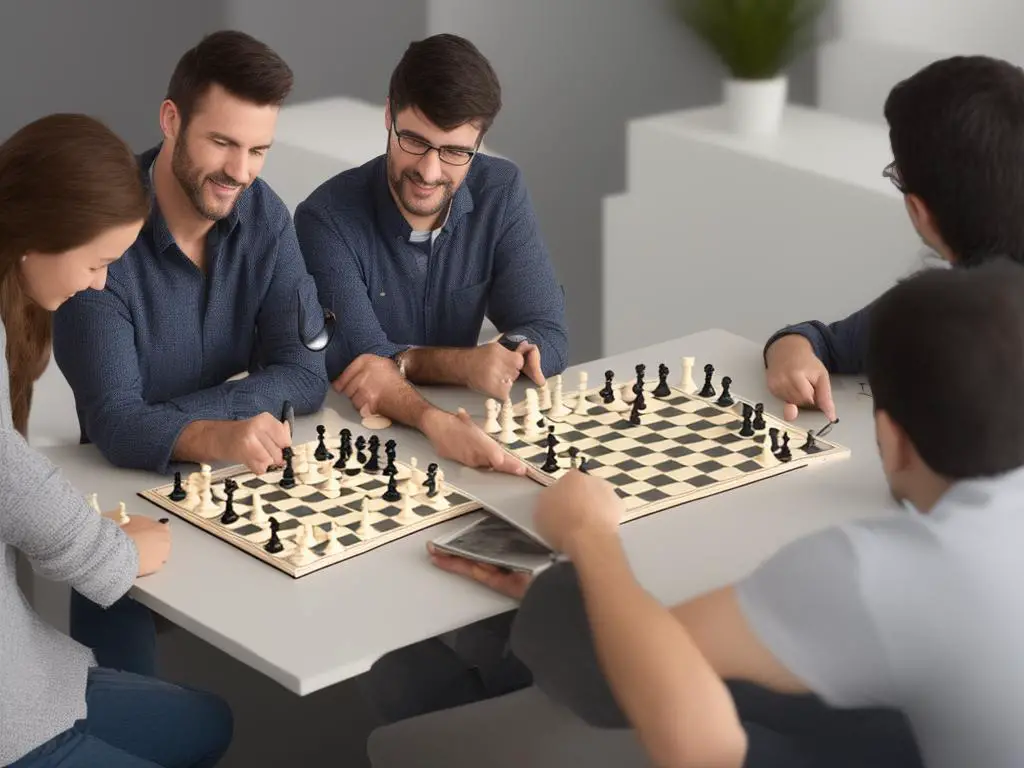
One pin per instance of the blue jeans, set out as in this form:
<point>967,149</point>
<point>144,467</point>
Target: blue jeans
<point>137,722</point>
<point>122,636</point>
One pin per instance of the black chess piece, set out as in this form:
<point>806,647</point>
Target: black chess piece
<point>773,433</point>
<point>373,465</point>
<point>725,399</point>
<point>345,439</point>
<point>229,516</point>
<point>784,454</point>
<point>759,416</point>
<point>641,369</point>
<point>288,476</point>
<point>391,451</point>
<point>431,482</point>
<point>551,461</point>
<point>708,390</point>
<point>321,453</point>
<point>274,545</point>
<point>662,390</point>
<point>634,414</point>
<point>392,494</point>
<point>748,427</point>
<point>178,493</point>
<point>810,444</point>
<point>584,466</point>
<point>608,392</point>
<point>360,449</point>
<point>574,454</point>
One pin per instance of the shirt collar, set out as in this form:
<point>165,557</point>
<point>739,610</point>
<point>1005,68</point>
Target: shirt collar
<point>157,224</point>
<point>391,219</point>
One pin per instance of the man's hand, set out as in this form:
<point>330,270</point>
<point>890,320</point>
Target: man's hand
<point>798,378</point>
<point>366,379</point>
<point>491,369</point>
<point>152,540</point>
<point>257,442</point>
<point>456,437</point>
<point>509,583</point>
<point>576,506</point>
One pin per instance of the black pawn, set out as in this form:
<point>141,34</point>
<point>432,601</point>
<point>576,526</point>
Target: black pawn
<point>274,545</point>
<point>811,444</point>
<point>608,393</point>
<point>178,493</point>
<point>759,416</point>
<point>392,494</point>
<point>360,449</point>
<point>634,414</point>
<point>229,516</point>
<point>373,465</point>
<point>584,467</point>
<point>640,401</point>
<point>321,453</point>
<point>662,389</point>
<point>784,454</point>
<point>551,462</point>
<point>431,482</point>
<point>748,427</point>
<point>390,450</point>
<point>708,390</point>
<point>288,476</point>
<point>773,433</point>
<point>574,454</point>
<point>725,398</point>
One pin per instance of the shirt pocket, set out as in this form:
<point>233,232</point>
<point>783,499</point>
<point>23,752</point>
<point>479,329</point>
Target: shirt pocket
<point>463,315</point>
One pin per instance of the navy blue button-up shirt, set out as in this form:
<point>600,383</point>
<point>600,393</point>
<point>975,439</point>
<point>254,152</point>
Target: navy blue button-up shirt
<point>390,293</point>
<point>153,351</point>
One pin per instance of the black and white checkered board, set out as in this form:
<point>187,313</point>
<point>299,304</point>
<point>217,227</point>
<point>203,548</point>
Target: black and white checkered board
<point>306,504</point>
<point>685,448</point>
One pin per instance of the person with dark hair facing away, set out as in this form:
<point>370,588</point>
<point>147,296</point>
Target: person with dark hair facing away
<point>73,201</point>
<point>208,290</point>
<point>414,248</point>
<point>957,134</point>
<point>916,612</point>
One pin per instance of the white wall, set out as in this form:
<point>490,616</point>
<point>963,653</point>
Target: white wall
<point>879,42</point>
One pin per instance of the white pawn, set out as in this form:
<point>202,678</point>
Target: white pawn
<point>491,425</point>
<point>333,545</point>
<point>766,458</point>
<point>407,516</point>
<point>545,396</point>
<point>620,403</point>
<point>365,530</point>
<point>558,409</point>
<point>300,464</point>
<point>122,514</point>
<point>312,474</point>
<point>191,500</point>
<point>530,429</point>
<point>257,516</point>
<point>331,488</point>
<point>687,384</point>
<point>508,424</point>
<point>207,508</point>
<point>582,406</point>
<point>412,485</point>
<point>305,537</point>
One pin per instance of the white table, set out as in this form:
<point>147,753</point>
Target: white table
<point>330,626</point>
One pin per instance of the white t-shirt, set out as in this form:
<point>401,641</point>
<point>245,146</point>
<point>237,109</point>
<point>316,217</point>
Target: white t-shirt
<point>924,613</point>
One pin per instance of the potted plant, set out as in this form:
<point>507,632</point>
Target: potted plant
<point>756,40</point>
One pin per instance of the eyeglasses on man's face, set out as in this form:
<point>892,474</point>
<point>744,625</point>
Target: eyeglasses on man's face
<point>892,173</point>
<point>414,145</point>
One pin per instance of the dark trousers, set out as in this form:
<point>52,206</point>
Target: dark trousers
<point>122,637</point>
<point>137,722</point>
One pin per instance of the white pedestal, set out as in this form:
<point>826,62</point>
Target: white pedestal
<point>717,230</point>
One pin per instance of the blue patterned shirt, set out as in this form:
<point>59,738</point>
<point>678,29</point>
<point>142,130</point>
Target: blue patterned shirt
<point>390,293</point>
<point>153,351</point>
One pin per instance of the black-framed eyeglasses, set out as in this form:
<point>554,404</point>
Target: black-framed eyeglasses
<point>414,145</point>
<point>892,173</point>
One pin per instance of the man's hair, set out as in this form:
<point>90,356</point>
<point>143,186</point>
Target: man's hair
<point>449,81</point>
<point>957,135</point>
<point>237,62</point>
<point>946,362</point>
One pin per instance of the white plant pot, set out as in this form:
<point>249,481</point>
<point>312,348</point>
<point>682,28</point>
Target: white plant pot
<point>755,107</point>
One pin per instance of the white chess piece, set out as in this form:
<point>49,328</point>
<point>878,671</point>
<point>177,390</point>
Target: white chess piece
<point>257,516</point>
<point>558,409</point>
<point>582,406</point>
<point>206,473</point>
<point>94,503</point>
<point>365,530</point>
<point>312,474</point>
<point>331,487</point>
<point>508,424</point>
<point>530,429</point>
<point>617,403</point>
<point>300,462</point>
<point>191,500</point>
<point>407,516</point>
<point>411,486</point>
<point>766,458</point>
<point>545,396</point>
<point>207,508</point>
<point>333,545</point>
<point>687,384</point>
<point>491,425</point>
<point>122,514</point>
<point>305,537</point>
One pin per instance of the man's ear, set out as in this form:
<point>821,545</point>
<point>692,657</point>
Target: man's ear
<point>170,119</point>
<point>924,222</point>
<point>387,115</point>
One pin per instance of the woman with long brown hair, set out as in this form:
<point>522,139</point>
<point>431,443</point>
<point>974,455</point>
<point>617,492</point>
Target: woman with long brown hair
<point>71,202</point>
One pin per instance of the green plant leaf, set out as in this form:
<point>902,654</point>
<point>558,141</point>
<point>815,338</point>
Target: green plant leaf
<point>755,39</point>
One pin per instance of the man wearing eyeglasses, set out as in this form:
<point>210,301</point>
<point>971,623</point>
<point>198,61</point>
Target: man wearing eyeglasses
<point>413,249</point>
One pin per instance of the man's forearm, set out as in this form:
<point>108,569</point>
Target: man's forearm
<point>679,706</point>
<point>200,442</point>
<point>402,403</point>
<point>438,365</point>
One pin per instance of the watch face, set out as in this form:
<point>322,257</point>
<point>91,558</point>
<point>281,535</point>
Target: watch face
<point>513,341</point>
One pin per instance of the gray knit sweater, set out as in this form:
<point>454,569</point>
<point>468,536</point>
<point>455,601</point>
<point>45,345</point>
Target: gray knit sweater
<point>42,671</point>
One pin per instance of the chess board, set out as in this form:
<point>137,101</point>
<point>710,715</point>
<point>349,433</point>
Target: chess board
<point>686,447</point>
<point>308,505</point>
